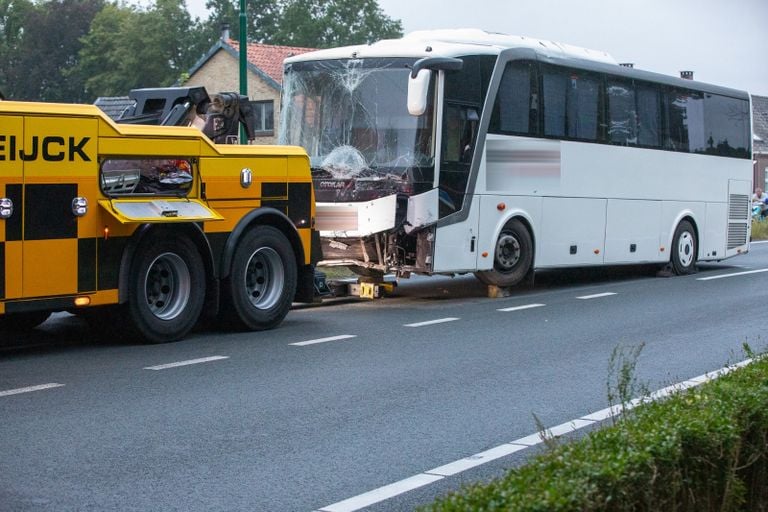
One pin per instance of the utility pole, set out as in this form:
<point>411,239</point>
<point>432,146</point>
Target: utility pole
<point>243,64</point>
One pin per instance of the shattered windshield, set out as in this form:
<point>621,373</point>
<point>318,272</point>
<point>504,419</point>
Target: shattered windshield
<point>352,118</point>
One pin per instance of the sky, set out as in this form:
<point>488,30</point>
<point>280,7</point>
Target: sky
<point>724,42</point>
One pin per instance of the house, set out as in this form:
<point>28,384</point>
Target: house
<point>219,71</point>
<point>760,141</point>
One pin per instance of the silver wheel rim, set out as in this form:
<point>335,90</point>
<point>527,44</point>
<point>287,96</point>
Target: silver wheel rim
<point>264,278</point>
<point>167,285</point>
<point>685,249</point>
<point>507,252</point>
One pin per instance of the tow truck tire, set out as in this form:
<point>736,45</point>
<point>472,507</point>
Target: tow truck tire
<point>21,322</point>
<point>512,258</point>
<point>685,247</point>
<point>166,288</point>
<point>261,284</point>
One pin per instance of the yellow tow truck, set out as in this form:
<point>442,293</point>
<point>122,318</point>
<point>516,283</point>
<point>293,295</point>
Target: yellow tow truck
<point>148,228</point>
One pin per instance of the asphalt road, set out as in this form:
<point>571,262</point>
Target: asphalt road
<point>351,403</point>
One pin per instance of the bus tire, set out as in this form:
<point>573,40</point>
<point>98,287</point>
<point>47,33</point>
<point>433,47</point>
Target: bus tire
<point>259,290</point>
<point>685,248</point>
<point>512,258</point>
<point>21,322</point>
<point>166,288</point>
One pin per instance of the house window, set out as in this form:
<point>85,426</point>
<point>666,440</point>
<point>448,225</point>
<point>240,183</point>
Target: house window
<point>264,116</point>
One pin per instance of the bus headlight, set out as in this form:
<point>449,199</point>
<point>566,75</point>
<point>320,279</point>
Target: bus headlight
<point>6,208</point>
<point>79,206</point>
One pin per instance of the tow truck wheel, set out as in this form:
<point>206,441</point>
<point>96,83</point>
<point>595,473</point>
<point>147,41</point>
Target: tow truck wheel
<point>20,322</point>
<point>512,258</point>
<point>166,288</point>
<point>262,280</point>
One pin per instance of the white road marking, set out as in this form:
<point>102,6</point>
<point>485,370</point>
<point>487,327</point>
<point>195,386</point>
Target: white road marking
<point>186,363</point>
<point>476,460</point>
<point>29,389</point>
<point>433,475</point>
<point>323,340</point>
<point>721,276</point>
<point>431,322</point>
<point>382,493</point>
<point>520,308</point>
<point>596,295</point>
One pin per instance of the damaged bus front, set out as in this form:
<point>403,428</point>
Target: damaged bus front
<point>372,155</point>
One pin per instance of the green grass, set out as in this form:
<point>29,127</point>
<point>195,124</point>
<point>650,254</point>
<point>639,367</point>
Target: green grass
<point>701,450</point>
<point>760,230</point>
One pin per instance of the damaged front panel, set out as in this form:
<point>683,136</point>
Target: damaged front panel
<point>368,156</point>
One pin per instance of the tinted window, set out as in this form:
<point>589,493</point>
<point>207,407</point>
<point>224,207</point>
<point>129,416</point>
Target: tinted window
<point>648,116</point>
<point>516,107</point>
<point>571,104</point>
<point>727,126</point>
<point>622,113</point>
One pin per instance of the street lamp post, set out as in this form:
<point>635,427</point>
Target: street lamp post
<point>243,64</point>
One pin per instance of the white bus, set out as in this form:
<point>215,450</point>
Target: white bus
<point>457,151</point>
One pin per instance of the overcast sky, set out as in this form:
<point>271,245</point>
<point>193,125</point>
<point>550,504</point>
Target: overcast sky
<point>724,42</point>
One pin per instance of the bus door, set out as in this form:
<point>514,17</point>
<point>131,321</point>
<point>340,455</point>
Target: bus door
<point>455,242</point>
<point>50,250</point>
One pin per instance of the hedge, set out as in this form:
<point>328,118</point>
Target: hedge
<point>703,449</point>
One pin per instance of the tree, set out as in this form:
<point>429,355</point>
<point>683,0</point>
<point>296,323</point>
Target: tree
<point>42,44</point>
<point>129,47</point>
<point>307,23</point>
<point>13,13</point>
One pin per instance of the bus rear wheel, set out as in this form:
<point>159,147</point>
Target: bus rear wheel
<point>512,258</point>
<point>262,280</point>
<point>166,288</point>
<point>685,248</point>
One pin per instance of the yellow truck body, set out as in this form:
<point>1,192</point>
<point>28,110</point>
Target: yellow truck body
<point>84,200</point>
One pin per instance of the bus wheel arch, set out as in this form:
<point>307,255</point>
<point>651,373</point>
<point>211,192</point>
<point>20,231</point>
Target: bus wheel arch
<point>684,247</point>
<point>513,255</point>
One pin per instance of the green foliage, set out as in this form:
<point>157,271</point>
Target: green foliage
<point>39,47</point>
<point>701,450</point>
<point>760,230</point>
<point>307,23</point>
<point>129,47</point>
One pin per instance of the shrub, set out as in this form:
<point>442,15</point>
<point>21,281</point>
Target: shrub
<point>701,450</point>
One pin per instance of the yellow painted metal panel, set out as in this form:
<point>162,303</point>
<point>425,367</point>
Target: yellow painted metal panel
<point>145,146</point>
<point>59,148</point>
<point>50,267</point>
<point>222,175</point>
<point>13,255</point>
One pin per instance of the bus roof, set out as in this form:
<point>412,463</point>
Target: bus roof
<point>470,41</point>
<point>453,43</point>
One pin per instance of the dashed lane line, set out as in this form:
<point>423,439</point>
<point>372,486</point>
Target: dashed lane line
<point>520,308</point>
<point>186,363</point>
<point>433,475</point>
<point>30,389</point>
<point>432,322</point>
<point>734,274</point>
<point>596,296</point>
<point>323,340</point>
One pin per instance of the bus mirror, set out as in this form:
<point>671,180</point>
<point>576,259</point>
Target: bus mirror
<point>418,87</point>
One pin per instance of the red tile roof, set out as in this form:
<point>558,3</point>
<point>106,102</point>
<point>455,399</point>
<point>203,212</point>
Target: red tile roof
<point>269,58</point>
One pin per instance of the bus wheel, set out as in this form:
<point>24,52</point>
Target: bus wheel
<point>166,288</point>
<point>684,249</point>
<point>512,258</point>
<point>262,280</point>
<point>20,322</point>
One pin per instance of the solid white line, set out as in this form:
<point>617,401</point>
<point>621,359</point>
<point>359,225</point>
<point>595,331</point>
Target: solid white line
<point>29,389</point>
<point>323,340</point>
<point>721,276</point>
<point>759,242</point>
<point>431,322</point>
<point>596,295</point>
<point>382,493</point>
<point>520,308</point>
<point>433,475</point>
<point>186,363</point>
<point>476,460</point>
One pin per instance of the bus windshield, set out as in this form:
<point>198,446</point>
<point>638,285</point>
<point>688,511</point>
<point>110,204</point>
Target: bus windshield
<point>351,116</point>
